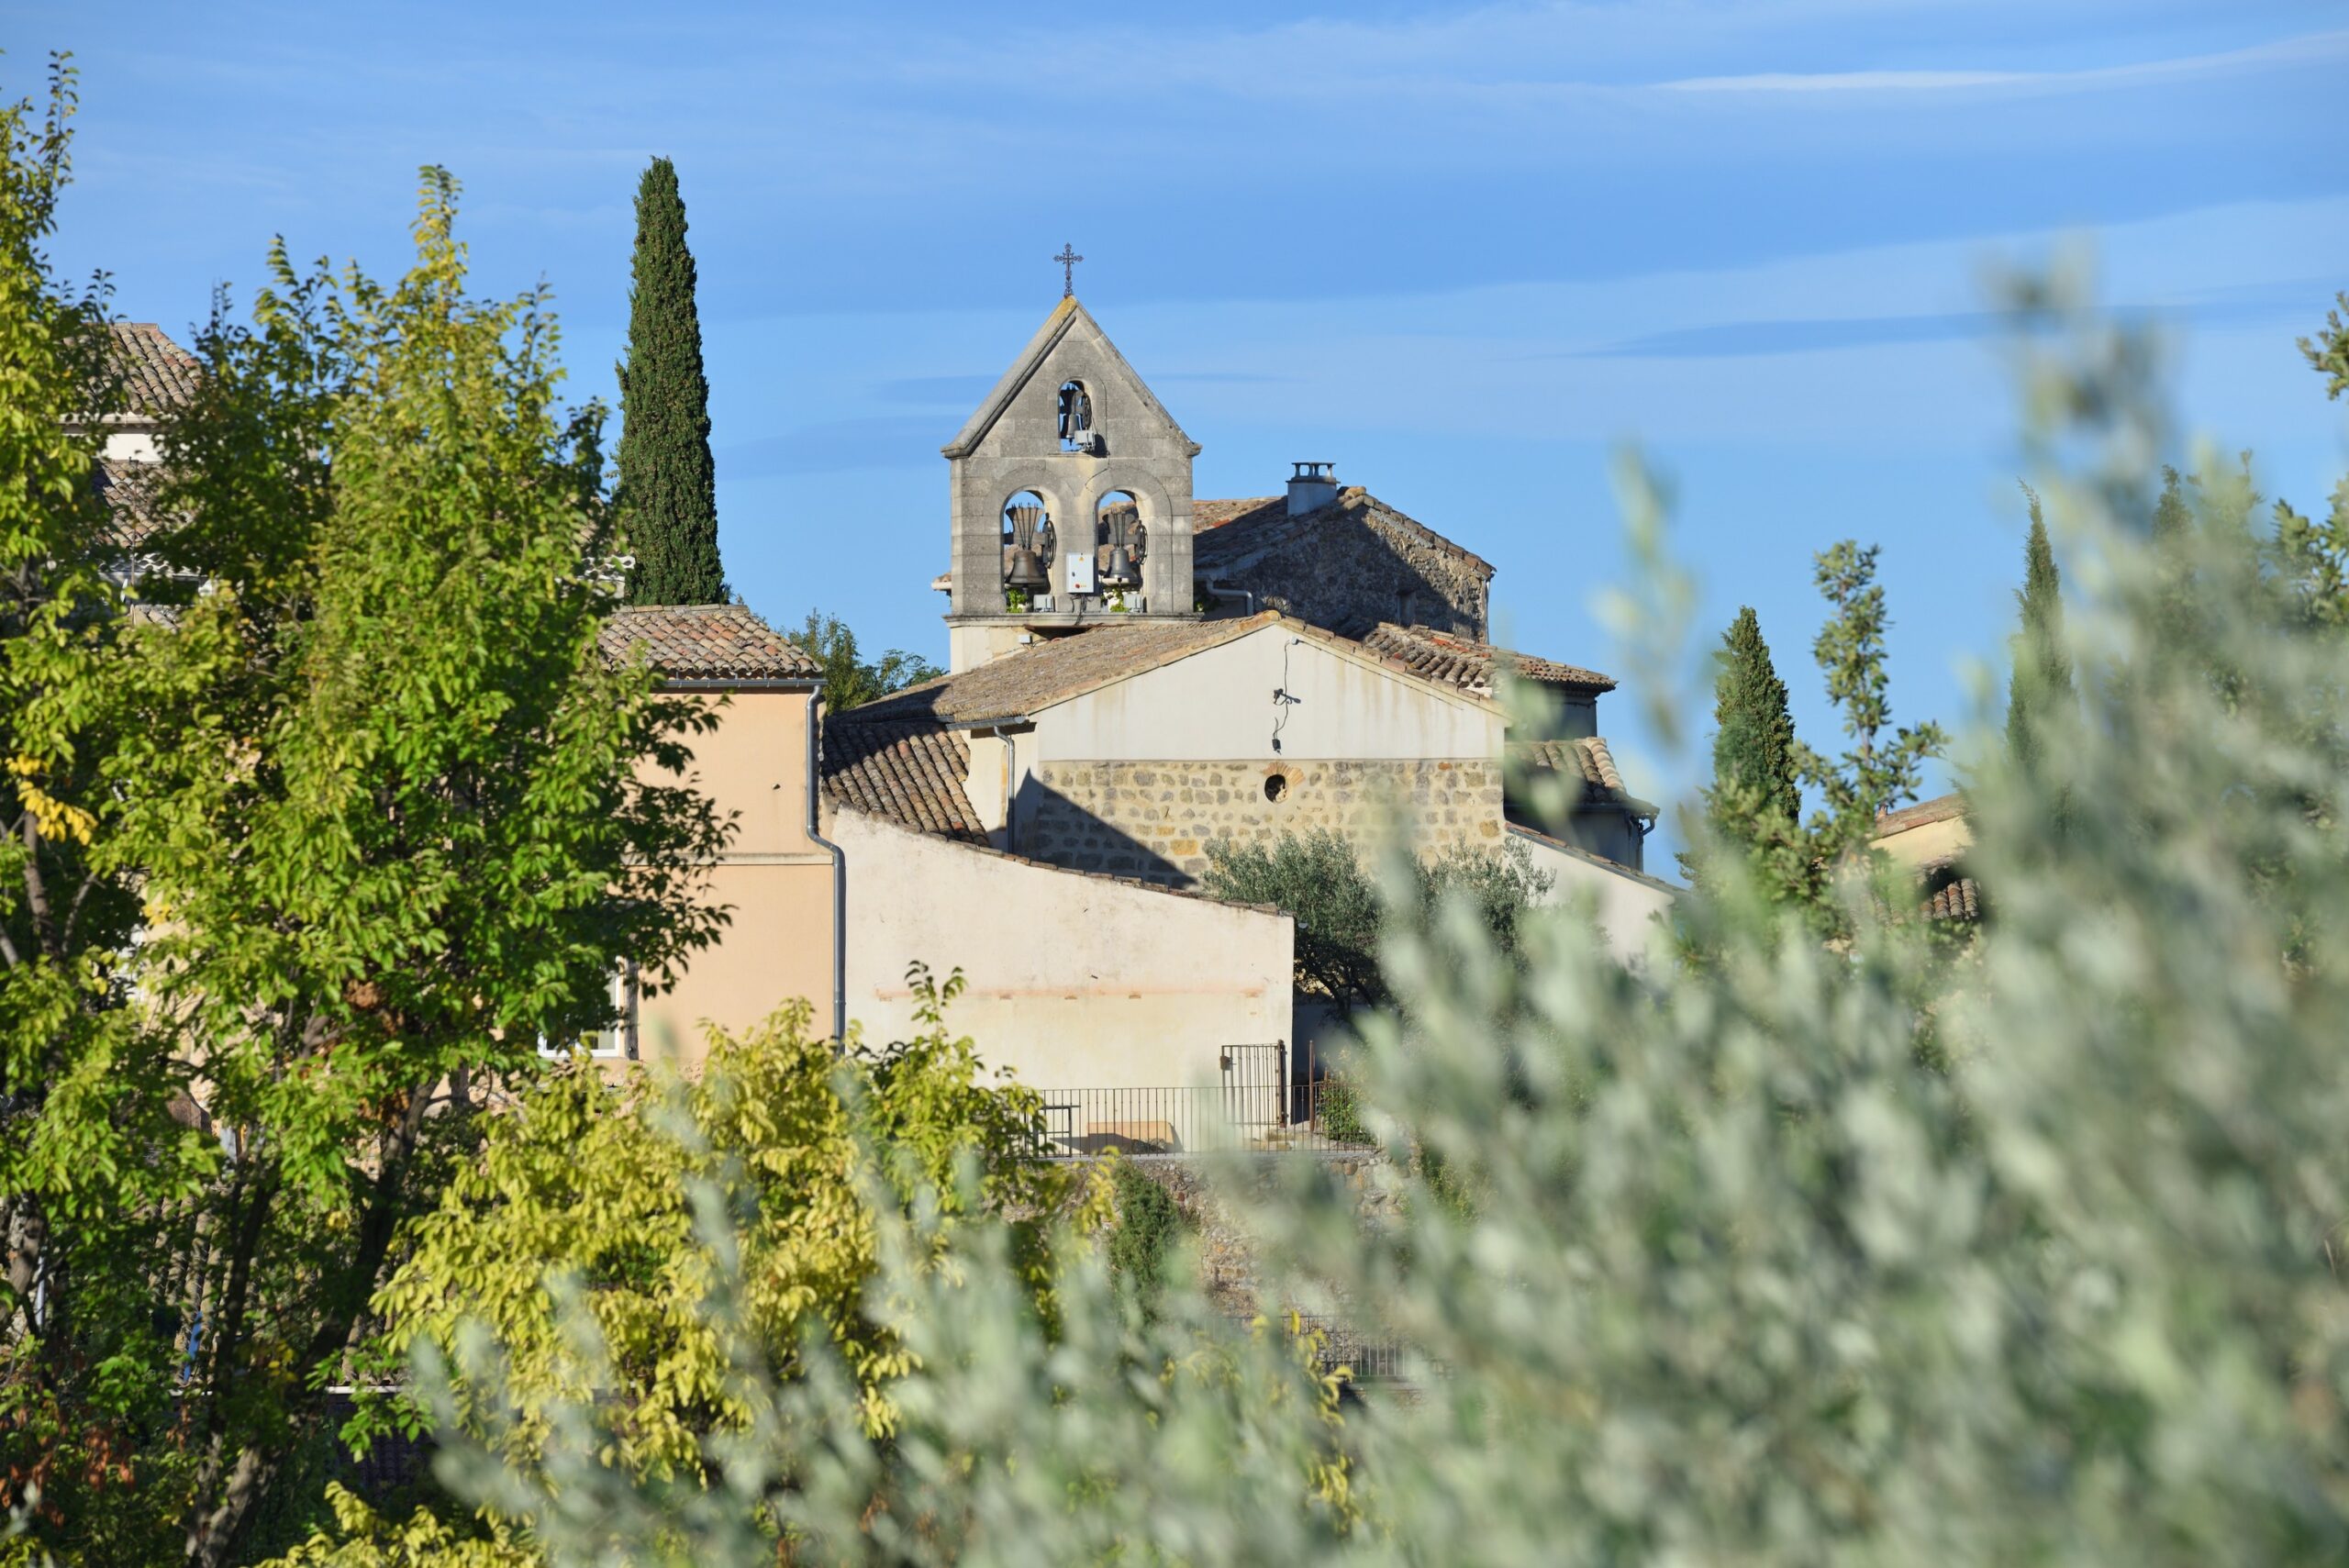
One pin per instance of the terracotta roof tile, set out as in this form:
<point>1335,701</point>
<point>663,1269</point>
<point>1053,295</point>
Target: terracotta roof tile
<point>908,771</point>
<point>1587,760</point>
<point>1054,670</point>
<point>707,642</point>
<point>1471,665</point>
<point>1960,898</point>
<point>157,374</point>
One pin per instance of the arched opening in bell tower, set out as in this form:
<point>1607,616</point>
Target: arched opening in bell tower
<point>1028,546</point>
<point>1077,431</point>
<point>1120,544</point>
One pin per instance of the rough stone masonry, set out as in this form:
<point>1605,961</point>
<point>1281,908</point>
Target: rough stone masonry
<point>1154,820</point>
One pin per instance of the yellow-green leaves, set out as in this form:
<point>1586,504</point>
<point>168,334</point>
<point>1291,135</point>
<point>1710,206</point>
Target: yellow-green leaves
<point>585,1195</point>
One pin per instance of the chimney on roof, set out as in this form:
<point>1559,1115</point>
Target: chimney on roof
<point>1313,486</point>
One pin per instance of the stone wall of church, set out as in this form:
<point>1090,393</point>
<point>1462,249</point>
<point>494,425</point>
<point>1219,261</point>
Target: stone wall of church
<point>1154,819</point>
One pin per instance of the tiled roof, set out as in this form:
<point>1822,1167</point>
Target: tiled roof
<point>157,374</point>
<point>707,642</point>
<point>1226,534</point>
<point>1587,760</point>
<point>1056,669</point>
<point>1206,514</point>
<point>1949,897</point>
<point>908,771</point>
<point>1059,668</point>
<point>1464,663</point>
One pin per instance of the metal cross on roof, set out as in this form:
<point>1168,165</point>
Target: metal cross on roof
<point>1068,259</point>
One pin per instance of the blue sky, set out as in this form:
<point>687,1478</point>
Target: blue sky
<point>1463,252</point>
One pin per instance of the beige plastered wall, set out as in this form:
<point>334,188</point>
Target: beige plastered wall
<point>776,880</point>
<point>1074,981</point>
<point>1625,902</point>
<point>1218,705</point>
<point>1927,843</point>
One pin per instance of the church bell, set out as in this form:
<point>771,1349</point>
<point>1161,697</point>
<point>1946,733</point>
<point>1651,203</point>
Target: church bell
<point>1123,524</point>
<point>1026,573</point>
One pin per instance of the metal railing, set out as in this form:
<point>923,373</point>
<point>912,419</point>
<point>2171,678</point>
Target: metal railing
<point>1267,1099</point>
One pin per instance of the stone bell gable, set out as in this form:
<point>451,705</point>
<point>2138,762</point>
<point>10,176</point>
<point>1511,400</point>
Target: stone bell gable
<point>1071,498</point>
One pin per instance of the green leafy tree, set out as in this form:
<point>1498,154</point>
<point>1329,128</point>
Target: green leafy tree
<point>1319,879</point>
<point>2313,557</point>
<point>850,681</point>
<point>1149,1226</point>
<point>1878,773</point>
<point>1316,878</point>
<point>378,792</point>
<point>2328,350</point>
<point>590,1205</point>
<point>90,1154</point>
<point>2041,681</point>
<point>666,500</point>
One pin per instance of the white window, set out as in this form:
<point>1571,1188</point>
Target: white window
<point>611,1044</point>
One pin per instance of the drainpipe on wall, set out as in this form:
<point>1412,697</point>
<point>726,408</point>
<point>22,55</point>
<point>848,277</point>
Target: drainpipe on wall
<point>840,869</point>
<point>1001,730</point>
<point>1226,591</point>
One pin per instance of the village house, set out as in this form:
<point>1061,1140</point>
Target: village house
<point>1135,675</point>
<point>779,881</point>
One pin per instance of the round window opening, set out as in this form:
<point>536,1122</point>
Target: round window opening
<point>1275,787</point>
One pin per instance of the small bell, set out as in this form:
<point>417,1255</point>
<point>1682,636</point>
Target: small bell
<point>1120,574</point>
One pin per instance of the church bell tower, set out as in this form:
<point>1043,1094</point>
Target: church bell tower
<point>1071,498</point>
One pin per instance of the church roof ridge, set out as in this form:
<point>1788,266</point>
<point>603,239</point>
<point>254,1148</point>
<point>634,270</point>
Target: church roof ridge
<point>1064,315</point>
<point>1464,660</point>
<point>1225,531</point>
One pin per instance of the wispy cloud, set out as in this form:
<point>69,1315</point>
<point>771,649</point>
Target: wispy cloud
<point>2306,48</point>
<point>1746,339</point>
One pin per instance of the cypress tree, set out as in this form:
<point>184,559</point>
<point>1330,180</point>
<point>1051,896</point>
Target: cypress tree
<point>1754,743</point>
<point>667,498</point>
<point>1754,805</point>
<point>2042,681</point>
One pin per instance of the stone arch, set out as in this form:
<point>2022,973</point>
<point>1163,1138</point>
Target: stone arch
<point>1157,505</point>
<point>1077,414</point>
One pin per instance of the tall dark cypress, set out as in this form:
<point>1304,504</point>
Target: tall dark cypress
<point>667,496</point>
<point>1754,743</point>
<point>2042,683</point>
